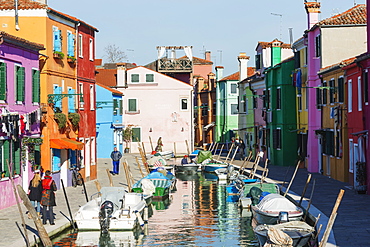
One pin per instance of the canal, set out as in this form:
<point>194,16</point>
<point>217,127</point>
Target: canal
<point>198,213</point>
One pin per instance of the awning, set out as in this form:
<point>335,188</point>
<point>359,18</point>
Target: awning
<point>66,143</point>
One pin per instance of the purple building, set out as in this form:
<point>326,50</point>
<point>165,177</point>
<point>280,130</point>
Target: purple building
<point>19,113</point>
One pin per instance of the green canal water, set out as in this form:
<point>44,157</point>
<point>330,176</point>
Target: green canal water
<point>198,213</point>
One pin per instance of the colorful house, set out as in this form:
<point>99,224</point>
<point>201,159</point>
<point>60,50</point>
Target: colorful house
<point>282,126</point>
<point>20,113</point>
<point>328,41</point>
<point>58,76</point>
<point>109,117</point>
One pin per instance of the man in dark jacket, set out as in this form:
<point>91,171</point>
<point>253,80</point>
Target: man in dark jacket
<point>48,198</point>
<point>115,156</point>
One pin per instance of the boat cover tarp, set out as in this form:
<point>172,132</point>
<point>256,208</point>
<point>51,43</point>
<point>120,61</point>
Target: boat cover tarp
<point>113,194</point>
<point>276,202</point>
<point>157,161</point>
<point>157,178</point>
<point>203,155</point>
<point>276,237</point>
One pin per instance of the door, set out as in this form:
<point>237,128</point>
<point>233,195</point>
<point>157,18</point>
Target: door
<point>87,157</point>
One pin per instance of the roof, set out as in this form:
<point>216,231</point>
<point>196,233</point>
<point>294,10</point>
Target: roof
<point>28,4</point>
<point>355,15</point>
<point>107,77</point>
<point>265,45</point>
<point>335,66</point>
<point>28,44</point>
<point>236,76</point>
<point>114,91</point>
<point>197,60</point>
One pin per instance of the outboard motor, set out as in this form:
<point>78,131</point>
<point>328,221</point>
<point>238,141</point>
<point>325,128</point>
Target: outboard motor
<point>283,217</point>
<point>106,210</point>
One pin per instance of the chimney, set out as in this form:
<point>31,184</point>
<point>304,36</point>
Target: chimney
<point>243,65</point>
<point>208,56</point>
<point>313,10</point>
<point>121,75</point>
<point>219,72</point>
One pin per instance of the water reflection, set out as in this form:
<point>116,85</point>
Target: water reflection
<point>199,213</point>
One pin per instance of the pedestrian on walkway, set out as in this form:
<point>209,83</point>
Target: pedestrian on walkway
<point>158,148</point>
<point>48,198</point>
<point>35,192</point>
<point>115,156</point>
<point>241,149</point>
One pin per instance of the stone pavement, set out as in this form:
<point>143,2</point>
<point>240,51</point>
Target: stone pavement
<point>11,230</point>
<point>351,227</point>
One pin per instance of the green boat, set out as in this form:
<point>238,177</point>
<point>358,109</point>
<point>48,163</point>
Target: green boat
<point>156,183</point>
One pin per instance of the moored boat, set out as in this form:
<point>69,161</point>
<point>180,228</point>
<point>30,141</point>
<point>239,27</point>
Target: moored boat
<point>187,168</point>
<point>268,209</point>
<point>115,209</point>
<point>249,196</point>
<point>299,233</point>
<point>212,167</point>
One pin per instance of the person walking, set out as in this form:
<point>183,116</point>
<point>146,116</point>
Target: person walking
<point>115,156</point>
<point>48,198</point>
<point>241,149</point>
<point>158,148</point>
<point>35,192</point>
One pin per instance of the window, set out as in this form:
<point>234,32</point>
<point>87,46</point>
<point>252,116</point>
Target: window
<point>338,144</point>
<point>204,110</point>
<point>351,160</point>
<point>92,98</point>
<point>120,107</point>
<point>184,104</point>
<point>328,143</point>
<point>115,106</point>
<point>350,96</point>
<point>91,50</point>
<point>246,103</point>
<point>71,100</point>
<point>332,91</point>
<point>136,134</point>
<point>276,133</point>
<point>297,59</point>
<point>359,91</point>
<point>214,108</point>
<point>35,86</point>
<point>258,61</point>
<point>56,160</point>
<point>324,93</point>
<point>299,100</point>
<point>134,77</point>
<point>80,43</point>
<point>278,98</point>
<point>233,88</point>
<point>365,80</point>
<point>19,97</point>
<point>81,92</point>
<point>264,99</point>
<point>57,39</point>
<point>234,109</point>
<point>3,88</point>
<point>341,89</point>
<point>319,98</point>
<point>132,105</point>
<point>255,100</point>
<point>318,46</point>
<point>5,156</point>
<point>149,78</point>
<point>57,103</point>
<point>268,103</point>
<point>70,44</point>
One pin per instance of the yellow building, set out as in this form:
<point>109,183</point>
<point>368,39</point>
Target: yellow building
<point>38,23</point>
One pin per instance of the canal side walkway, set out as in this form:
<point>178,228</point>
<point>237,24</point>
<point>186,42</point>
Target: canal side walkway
<point>11,229</point>
<point>351,227</point>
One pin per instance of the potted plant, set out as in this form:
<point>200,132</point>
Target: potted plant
<point>71,59</point>
<point>61,119</point>
<point>127,137</point>
<point>58,54</point>
<point>361,187</point>
<point>74,118</point>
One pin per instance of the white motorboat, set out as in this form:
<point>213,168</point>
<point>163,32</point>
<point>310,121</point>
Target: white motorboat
<point>115,209</point>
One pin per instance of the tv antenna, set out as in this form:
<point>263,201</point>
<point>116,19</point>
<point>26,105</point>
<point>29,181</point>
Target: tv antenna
<point>281,23</point>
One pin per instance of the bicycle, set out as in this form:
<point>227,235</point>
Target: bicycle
<point>76,176</point>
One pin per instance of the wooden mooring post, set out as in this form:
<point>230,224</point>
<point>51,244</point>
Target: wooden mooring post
<point>292,179</point>
<point>67,202</point>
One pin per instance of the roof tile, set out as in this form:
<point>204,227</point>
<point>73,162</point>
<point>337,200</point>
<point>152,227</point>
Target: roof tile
<point>355,15</point>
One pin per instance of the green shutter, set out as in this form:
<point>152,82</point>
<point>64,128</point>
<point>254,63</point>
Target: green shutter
<point>115,106</point>
<point>20,84</point>
<point>2,81</point>
<point>134,77</point>
<point>35,86</point>
<point>120,107</point>
<point>136,135</point>
<point>6,157</point>
<point>132,105</point>
<point>17,157</point>
<point>149,78</point>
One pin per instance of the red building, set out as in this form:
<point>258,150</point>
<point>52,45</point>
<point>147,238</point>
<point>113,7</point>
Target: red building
<point>86,89</point>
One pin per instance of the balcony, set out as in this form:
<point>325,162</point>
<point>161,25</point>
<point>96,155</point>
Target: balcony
<point>175,65</point>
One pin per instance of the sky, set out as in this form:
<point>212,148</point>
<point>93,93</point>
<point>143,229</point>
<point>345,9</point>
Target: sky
<point>225,28</point>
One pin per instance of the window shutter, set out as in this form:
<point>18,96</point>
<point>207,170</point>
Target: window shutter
<point>2,81</point>
<point>136,135</point>
<point>37,155</point>
<point>73,45</point>
<point>69,43</point>
<point>58,104</point>
<point>35,86</point>
<point>341,90</point>
<point>56,160</point>
<point>57,42</point>
<point>115,106</point>
<point>132,105</point>
<point>120,107</point>
<point>71,100</point>
<point>149,78</point>
<point>17,157</point>
<point>366,86</point>
<point>6,157</point>
<point>258,61</point>
<point>20,84</point>
<point>274,138</point>
<point>134,77</point>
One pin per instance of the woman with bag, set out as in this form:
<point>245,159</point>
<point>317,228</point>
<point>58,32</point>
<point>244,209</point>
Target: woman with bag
<point>48,198</point>
<point>35,192</point>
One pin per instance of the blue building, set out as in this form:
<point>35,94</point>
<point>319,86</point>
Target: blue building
<point>109,120</point>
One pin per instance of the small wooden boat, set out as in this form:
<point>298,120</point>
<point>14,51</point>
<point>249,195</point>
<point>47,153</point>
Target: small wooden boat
<point>299,233</point>
<point>248,197</point>
<point>212,167</point>
<point>163,184</point>
<point>115,209</point>
<point>269,208</point>
<point>187,168</point>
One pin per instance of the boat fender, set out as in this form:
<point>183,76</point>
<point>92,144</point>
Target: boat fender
<point>139,218</point>
<point>146,214</point>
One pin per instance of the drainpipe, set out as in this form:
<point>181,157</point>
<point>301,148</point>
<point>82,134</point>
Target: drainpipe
<point>16,15</point>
